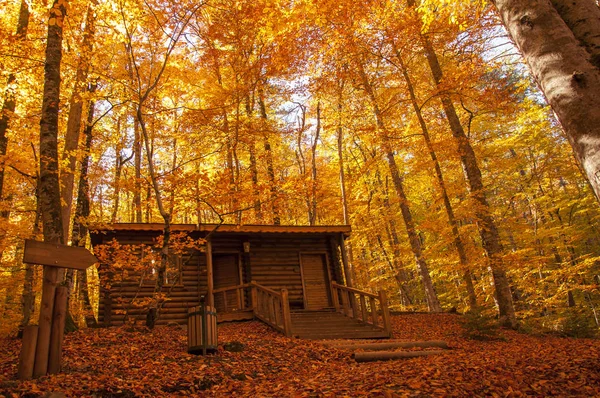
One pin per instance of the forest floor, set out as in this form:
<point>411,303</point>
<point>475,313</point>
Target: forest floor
<point>116,362</point>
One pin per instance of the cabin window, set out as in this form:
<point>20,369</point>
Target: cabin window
<point>173,271</point>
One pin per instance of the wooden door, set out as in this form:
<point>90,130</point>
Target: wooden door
<point>316,281</point>
<point>226,273</point>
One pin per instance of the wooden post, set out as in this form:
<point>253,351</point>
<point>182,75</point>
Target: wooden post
<point>335,297</point>
<point>45,322</point>
<point>210,298</point>
<point>27,357</point>
<point>363,309</point>
<point>345,263</point>
<point>374,311</point>
<point>238,293</point>
<point>285,309</point>
<point>254,297</point>
<point>58,329</point>
<point>345,302</point>
<point>385,312</point>
<point>272,308</point>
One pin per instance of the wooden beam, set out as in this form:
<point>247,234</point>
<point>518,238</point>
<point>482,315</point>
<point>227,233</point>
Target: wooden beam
<point>388,345</point>
<point>27,358</point>
<point>45,322</point>
<point>210,299</point>
<point>385,312</point>
<point>58,329</point>
<point>369,356</point>
<point>345,263</point>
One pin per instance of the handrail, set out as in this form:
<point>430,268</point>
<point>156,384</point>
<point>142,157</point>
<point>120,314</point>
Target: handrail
<point>228,288</point>
<point>265,289</point>
<point>268,305</point>
<point>272,307</point>
<point>358,309</point>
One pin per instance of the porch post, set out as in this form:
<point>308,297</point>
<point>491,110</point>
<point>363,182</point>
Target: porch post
<point>210,299</point>
<point>347,270</point>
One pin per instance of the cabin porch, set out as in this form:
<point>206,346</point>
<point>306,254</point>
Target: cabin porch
<point>353,313</point>
<point>294,278</point>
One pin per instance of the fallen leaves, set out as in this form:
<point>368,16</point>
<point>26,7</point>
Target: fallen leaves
<point>116,362</point>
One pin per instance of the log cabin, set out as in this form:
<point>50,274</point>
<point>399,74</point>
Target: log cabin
<point>291,277</point>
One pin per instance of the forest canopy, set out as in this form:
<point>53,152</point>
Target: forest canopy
<point>419,125</point>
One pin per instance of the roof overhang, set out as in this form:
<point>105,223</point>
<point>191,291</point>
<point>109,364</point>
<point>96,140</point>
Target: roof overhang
<point>224,228</point>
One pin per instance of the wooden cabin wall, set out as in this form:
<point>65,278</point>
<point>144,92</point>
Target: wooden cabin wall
<point>275,262</point>
<point>118,300</point>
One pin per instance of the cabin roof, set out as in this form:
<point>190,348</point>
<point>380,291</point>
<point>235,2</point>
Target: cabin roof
<point>224,228</point>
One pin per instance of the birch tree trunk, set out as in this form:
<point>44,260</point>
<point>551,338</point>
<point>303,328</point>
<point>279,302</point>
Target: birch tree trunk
<point>559,40</point>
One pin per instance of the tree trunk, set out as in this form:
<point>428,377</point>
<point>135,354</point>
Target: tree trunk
<point>313,190</point>
<point>9,104</point>
<point>67,176</point>
<point>561,49</point>
<point>49,188</point>
<point>258,214</point>
<point>137,161</point>
<point>269,158</point>
<point>488,231</point>
<point>82,212</point>
<point>458,243</point>
<point>413,238</point>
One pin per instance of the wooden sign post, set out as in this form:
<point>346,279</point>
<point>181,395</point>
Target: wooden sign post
<point>48,344</point>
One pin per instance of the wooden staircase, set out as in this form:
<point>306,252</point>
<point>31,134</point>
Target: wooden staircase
<point>356,314</point>
<point>328,324</point>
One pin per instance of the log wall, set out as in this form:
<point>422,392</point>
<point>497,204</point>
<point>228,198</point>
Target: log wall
<point>273,261</point>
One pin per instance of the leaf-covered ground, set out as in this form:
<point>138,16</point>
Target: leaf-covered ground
<point>116,362</point>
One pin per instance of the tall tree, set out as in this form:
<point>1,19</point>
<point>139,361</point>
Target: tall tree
<point>413,237</point>
<point>560,41</point>
<point>490,236</point>
<point>49,188</point>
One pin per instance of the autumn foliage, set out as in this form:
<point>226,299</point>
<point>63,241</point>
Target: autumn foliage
<point>304,112</point>
<point>124,362</point>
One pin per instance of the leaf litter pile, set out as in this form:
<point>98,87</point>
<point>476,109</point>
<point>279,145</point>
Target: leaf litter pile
<point>121,362</point>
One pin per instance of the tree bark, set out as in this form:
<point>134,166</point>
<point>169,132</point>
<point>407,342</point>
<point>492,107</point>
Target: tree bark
<point>583,18</point>
<point>557,54</point>
<point>49,188</point>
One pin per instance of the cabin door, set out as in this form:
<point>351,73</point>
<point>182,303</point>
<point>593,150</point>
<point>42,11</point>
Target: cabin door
<point>226,273</point>
<point>316,281</point>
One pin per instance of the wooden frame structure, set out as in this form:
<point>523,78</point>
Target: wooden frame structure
<point>269,256</point>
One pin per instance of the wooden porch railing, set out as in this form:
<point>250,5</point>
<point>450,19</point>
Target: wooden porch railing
<point>362,306</point>
<point>268,305</point>
<point>242,292</point>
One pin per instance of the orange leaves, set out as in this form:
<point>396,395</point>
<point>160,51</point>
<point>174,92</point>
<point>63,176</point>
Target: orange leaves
<point>128,363</point>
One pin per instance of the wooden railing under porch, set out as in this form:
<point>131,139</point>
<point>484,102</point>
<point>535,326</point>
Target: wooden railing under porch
<point>368,308</point>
